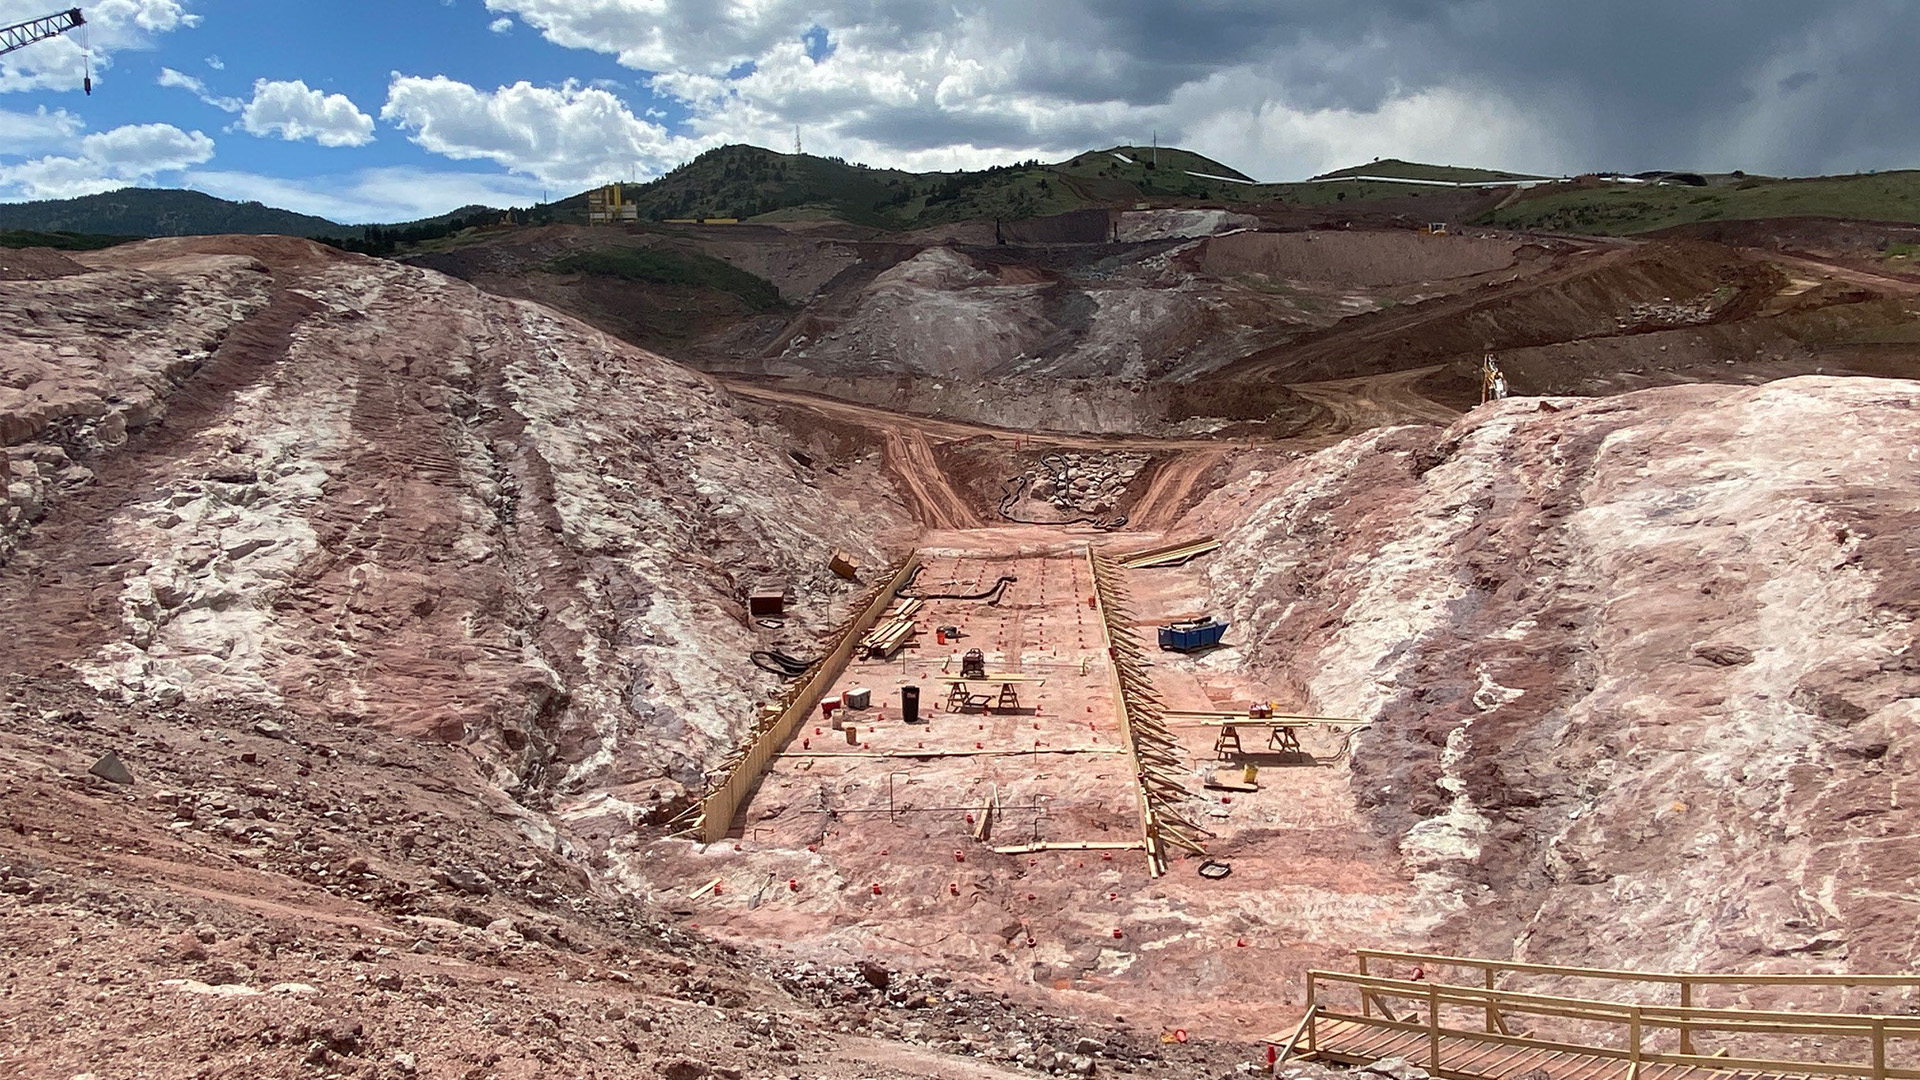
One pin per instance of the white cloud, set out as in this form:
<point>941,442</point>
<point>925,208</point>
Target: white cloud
<point>1446,125</point>
<point>293,111</point>
<point>371,195</point>
<point>106,160</point>
<point>500,25</point>
<point>569,135</point>
<point>216,63</point>
<point>112,26</point>
<point>182,81</point>
<point>24,133</point>
<point>652,36</point>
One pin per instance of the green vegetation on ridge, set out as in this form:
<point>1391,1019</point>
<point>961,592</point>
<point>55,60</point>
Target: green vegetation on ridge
<point>62,241</point>
<point>159,212</point>
<point>661,266</point>
<point>1413,170</point>
<point>1626,209</point>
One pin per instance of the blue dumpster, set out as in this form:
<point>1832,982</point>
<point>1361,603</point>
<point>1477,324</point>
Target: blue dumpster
<point>1192,636</point>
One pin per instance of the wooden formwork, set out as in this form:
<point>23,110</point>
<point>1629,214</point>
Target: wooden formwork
<point>1157,755</point>
<point>779,719</point>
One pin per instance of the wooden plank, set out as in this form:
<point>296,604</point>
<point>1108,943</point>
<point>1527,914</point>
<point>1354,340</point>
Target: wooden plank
<point>1192,718</point>
<point>928,754</point>
<point>1490,1055</point>
<point>1071,845</point>
<point>1521,1060</point>
<point>1167,554</point>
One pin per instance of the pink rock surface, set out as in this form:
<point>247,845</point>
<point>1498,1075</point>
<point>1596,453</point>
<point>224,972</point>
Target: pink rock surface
<point>1641,670</point>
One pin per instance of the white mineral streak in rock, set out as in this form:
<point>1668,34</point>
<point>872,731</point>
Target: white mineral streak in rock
<point>1534,606</point>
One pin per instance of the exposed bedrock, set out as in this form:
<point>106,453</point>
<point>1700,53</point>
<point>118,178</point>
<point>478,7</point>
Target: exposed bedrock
<point>1641,670</point>
<point>380,494</point>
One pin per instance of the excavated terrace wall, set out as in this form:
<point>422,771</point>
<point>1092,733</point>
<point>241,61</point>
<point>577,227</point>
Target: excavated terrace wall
<point>410,504</point>
<point>1642,670</point>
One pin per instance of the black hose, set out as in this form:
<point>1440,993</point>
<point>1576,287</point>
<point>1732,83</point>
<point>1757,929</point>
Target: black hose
<point>991,595</point>
<point>779,663</point>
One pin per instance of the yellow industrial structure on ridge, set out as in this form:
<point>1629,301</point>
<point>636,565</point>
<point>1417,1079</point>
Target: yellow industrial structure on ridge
<point>606,207</point>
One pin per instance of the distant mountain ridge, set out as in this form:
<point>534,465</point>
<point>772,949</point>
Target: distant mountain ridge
<point>734,181</point>
<point>751,183</point>
<point>164,212</point>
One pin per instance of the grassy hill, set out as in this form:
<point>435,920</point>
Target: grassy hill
<point>1626,209</point>
<point>1394,168</point>
<point>157,212</point>
<point>748,182</point>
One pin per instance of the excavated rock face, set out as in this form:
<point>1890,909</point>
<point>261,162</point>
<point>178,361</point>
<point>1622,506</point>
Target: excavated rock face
<point>382,495</point>
<point>1641,671</point>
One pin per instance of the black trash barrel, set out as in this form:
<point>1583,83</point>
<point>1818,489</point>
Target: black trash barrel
<point>910,704</point>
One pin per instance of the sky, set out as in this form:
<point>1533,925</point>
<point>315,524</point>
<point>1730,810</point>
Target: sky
<point>390,111</point>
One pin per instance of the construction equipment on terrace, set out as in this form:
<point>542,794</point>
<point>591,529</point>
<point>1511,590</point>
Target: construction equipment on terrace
<point>1202,633</point>
<point>21,35</point>
<point>960,695</point>
<point>1169,554</point>
<point>767,599</point>
<point>1282,730</point>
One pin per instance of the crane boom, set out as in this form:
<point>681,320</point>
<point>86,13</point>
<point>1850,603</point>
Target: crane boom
<point>23,34</point>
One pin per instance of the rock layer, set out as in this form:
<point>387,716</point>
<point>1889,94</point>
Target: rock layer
<point>1641,670</point>
<point>386,497</point>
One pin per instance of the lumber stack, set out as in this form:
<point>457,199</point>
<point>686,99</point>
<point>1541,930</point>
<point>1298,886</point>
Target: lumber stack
<point>892,632</point>
<point>1158,757</point>
<point>1168,554</point>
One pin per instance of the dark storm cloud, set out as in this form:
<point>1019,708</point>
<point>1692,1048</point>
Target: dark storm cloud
<point>1640,83</point>
<point>1290,86</point>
